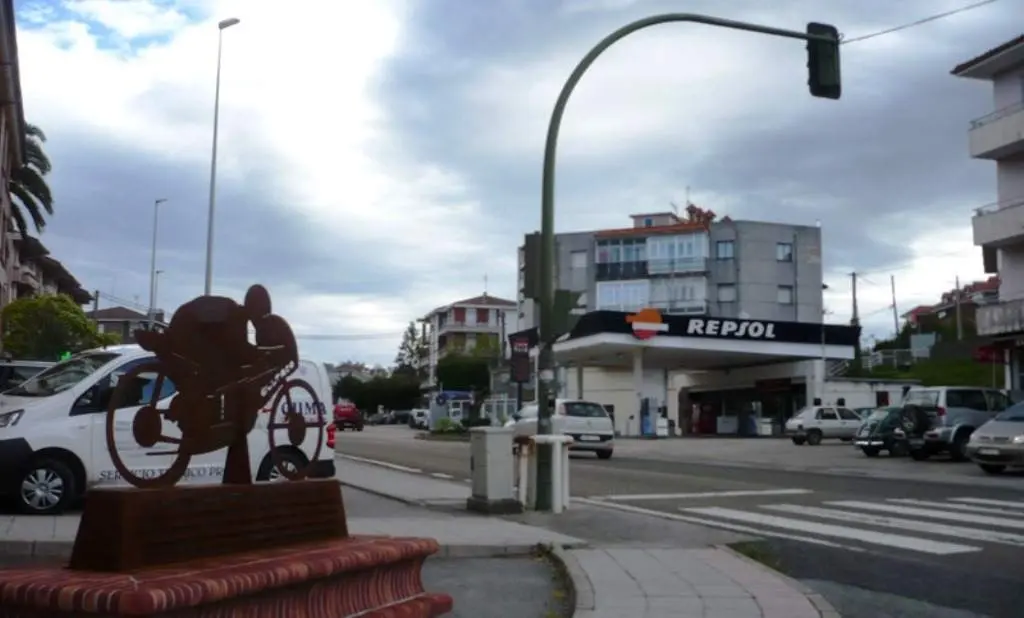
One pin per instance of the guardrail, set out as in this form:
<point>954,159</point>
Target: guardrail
<point>997,115</point>
<point>995,207</point>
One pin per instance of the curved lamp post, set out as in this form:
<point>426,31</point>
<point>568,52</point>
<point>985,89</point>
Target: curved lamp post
<point>823,64</point>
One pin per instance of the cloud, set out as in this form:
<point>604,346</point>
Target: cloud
<point>378,159</point>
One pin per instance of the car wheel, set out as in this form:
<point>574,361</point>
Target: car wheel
<point>359,427</point>
<point>958,450</point>
<point>604,454</point>
<point>814,437</point>
<point>799,441</point>
<point>919,454</point>
<point>46,488</point>
<point>992,468</point>
<point>870,451</point>
<point>290,459</point>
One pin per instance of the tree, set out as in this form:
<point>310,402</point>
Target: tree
<point>409,347</point>
<point>467,372</point>
<point>45,327</point>
<point>30,195</point>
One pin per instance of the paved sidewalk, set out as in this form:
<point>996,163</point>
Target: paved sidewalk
<point>684,583</point>
<point>460,535</point>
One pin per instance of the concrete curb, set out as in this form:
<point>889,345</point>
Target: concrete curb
<point>817,600</point>
<point>581,588</point>
<point>384,494</point>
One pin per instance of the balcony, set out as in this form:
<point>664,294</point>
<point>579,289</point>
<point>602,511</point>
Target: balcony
<point>451,326</point>
<point>618,271</point>
<point>679,266</point>
<point>1000,318</point>
<point>999,134</point>
<point>999,224</point>
<point>681,307</point>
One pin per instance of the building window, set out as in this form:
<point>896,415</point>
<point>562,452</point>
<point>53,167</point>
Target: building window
<point>459,315</point>
<point>578,259</point>
<point>785,295</point>
<point>727,292</point>
<point>482,316</point>
<point>724,250</point>
<point>648,222</point>
<point>623,295</point>
<point>784,251</point>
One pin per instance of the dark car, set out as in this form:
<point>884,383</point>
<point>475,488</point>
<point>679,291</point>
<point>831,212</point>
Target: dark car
<point>888,429</point>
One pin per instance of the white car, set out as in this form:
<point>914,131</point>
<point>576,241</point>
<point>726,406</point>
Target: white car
<point>587,422</point>
<point>53,431</point>
<point>815,423</point>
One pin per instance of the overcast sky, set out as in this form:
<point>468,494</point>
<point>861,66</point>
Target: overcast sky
<point>380,157</point>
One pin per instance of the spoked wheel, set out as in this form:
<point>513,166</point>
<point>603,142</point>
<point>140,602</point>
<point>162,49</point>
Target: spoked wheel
<point>286,414</point>
<point>147,427</point>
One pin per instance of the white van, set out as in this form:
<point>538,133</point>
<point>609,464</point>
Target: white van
<point>53,440</point>
<point>586,421</point>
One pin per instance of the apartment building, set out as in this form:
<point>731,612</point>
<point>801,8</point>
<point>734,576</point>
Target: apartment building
<point>35,271</point>
<point>998,227</point>
<point>692,265</point>
<point>12,145</point>
<point>465,325</point>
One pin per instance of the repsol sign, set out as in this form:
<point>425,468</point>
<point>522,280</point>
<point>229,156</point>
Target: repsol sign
<point>734,329</point>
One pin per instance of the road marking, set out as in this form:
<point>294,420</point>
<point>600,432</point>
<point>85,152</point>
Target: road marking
<point>698,495</point>
<point>968,508</point>
<point>1006,503</point>
<point>966,518</point>
<point>441,475</point>
<point>383,464</point>
<point>842,532</point>
<point>911,525</point>
<point>712,523</point>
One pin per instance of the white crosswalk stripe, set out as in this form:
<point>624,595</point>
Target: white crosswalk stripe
<point>943,527</point>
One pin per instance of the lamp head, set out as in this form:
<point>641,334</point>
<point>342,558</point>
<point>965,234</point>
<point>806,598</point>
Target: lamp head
<point>227,23</point>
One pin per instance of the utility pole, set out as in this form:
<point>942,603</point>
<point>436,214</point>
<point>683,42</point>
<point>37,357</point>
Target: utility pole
<point>895,313</point>
<point>959,321</point>
<point>855,316</point>
<point>96,307</point>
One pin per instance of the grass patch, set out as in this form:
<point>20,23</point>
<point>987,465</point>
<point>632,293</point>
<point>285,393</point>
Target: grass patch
<point>759,551</point>
<point>443,437</point>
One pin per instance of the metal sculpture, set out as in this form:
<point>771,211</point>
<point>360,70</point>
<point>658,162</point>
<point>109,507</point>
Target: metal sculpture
<point>223,382</point>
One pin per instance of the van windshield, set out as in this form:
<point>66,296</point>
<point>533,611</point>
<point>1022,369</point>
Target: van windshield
<point>62,376</point>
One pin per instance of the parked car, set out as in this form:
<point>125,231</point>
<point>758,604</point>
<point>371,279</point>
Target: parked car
<point>864,413</point>
<point>587,422</point>
<point>954,412</point>
<point>377,418</point>
<point>816,423</point>
<point>400,417</point>
<point>999,443</point>
<point>886,429</point>
<point>347,416</point>
<point>419,419</point>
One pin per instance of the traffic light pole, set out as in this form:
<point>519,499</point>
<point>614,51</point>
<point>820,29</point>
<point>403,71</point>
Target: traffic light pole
<point>816,35</point>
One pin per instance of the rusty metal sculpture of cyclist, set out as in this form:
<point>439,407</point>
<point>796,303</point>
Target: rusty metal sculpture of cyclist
<point>223,382</point>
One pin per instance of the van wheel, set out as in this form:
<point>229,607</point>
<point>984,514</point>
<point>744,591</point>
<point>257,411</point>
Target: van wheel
<point>799,441</point>
<point>814,437</point>
<point>292,460</point>
<point>992,468</point>
<point>958,450</point>
<point>46,488</point>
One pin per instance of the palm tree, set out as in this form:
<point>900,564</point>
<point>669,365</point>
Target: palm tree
<point>30,195</point>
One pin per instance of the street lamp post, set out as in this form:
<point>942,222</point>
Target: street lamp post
<point>152,262</point>
<point>223,25</point>
<point>823,65</point>
<point>156,290</point>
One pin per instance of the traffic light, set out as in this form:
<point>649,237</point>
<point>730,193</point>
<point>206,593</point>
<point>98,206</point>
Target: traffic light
<point>823,75</point>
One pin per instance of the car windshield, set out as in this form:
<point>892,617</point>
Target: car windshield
<point>1013,414</point>
<point>62,376</point>
<point>879,415</point>
<point>806,413</point>
<point>585,409</point>
<point>922,397</point>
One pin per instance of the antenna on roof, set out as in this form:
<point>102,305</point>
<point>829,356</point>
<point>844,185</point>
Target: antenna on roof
<point>485,285</point>
<point>688,202</point>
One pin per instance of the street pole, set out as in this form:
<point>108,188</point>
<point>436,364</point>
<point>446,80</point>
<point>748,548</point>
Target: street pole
<point>547,218</point>
<point>223,25</point>
<point>152,262</point>
<point>156,288</point>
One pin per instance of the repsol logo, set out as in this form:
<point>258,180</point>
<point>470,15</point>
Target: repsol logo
<point>739,329</point>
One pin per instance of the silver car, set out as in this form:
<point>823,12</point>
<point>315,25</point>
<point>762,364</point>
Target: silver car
<point>815,423</point>
<point>999,443</point>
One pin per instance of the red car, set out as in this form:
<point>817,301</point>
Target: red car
<point>347,415</point>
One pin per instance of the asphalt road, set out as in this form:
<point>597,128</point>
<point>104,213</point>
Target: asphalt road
<point>937,532</point>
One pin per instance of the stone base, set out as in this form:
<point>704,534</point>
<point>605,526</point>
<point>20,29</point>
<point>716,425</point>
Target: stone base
<point>369,577</point>
<point>507,506</point>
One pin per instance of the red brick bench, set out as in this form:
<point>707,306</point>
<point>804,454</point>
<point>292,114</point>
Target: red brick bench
<point>372,577</point>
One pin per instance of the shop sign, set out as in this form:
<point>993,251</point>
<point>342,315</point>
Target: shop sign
<point>730,329</point>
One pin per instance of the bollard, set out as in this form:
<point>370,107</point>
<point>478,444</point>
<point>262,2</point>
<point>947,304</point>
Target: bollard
<point>560,470</point>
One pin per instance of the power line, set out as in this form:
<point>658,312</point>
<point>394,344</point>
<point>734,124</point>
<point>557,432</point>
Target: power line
<point>919,22</point>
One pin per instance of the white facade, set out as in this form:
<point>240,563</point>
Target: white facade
<point>461,325</point>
